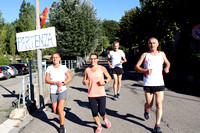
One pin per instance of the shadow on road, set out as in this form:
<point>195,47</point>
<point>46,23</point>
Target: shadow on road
<point>12,93</point>
<point>75,119</point>
<point>113,113</point>
<point>128,117</point>
<point>41,115</point>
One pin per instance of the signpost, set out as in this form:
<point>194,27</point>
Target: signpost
<point>36,39</point>
<point>196,32</point>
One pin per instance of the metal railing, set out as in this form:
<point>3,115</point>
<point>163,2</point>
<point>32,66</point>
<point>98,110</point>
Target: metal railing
<point>25,91</point>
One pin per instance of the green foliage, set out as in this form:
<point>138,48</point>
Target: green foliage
<point>26,22</point>
<point>110,29</point>
<point>158,18</point>
<point>4,60</point>
<point>11,39</point>
<point>48,51</point>
<point>77,27</point>
<point>2,35</point>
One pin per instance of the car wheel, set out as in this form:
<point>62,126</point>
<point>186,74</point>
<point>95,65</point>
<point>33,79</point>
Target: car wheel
<point>20,73</point>
<point>9,76</point>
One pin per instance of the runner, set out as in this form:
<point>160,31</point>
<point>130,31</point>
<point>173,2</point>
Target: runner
<point>94,78</point>
<point>153,79</point>
<point>55,76</point>
<point>115,56</point>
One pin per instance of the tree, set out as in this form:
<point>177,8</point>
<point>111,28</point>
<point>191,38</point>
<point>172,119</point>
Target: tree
<point>3,31</point>
<point>26,22</point>
<point>11,40</point>
<point>77,27</point>
<point>110,29</point>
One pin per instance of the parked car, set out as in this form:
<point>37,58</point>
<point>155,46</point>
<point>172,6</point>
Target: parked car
<point>13,72</point>
<point>4,73</point>
<point>22,68</point>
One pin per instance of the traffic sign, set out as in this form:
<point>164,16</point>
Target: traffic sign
<point>196,32</point>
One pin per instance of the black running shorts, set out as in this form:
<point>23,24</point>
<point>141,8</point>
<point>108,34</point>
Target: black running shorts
<point>152,89</point>
<point>117,70</point>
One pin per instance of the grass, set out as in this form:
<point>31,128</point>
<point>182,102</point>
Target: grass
<point>7,110</point>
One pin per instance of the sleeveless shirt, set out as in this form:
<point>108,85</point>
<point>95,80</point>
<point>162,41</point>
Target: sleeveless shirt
<point>156,64</point>
<point>94,88</point>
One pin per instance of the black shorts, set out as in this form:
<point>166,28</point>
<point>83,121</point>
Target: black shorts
<point>152,89</point>
<point>117,70</point>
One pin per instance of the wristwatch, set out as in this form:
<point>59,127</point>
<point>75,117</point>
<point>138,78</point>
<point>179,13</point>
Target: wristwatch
<point>105,82</point>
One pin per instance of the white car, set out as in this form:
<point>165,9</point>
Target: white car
<point>4,73</point>
<point>10,70</point>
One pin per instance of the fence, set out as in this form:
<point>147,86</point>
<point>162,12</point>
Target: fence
<point>25,91</point>
<point>70,64</point>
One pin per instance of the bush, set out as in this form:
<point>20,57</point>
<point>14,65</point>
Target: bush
<point>4,60</point>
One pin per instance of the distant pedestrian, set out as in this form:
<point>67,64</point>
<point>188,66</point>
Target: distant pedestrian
<point>55,76</point>
<point>153,79</point>
<point>116,58</point>
<point>94,78</point>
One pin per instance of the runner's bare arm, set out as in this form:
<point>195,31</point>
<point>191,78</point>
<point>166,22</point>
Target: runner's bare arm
<point>69,77</point>
<point>139,63</point>
<point>167,63</point>
<point>109,63</point>
<point>85,81</point>
<point>124,60</point>
<point>105,72</point>
<point>47,79</point>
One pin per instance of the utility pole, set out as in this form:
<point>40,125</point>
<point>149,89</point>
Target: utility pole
<point>39,58</point>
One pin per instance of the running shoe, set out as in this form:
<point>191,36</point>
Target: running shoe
<point>157,129</point>
<point>62,130</point>
<point>118,95</point>
<point>98,130</point>
<point>108,123</point>
<point>115,97</point>
<point>146,114</point>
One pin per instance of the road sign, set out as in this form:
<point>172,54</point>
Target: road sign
<point>196,32</point>
<point>36,39</point>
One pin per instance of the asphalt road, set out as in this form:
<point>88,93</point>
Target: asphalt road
<point>181,111</point>
<point>9,92</point>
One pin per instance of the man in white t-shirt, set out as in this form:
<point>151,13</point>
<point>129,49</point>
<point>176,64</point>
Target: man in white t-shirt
<point>115,63</point>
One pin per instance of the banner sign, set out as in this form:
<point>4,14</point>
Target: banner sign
<point>36,39</point>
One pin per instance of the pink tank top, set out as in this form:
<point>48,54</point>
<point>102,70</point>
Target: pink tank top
<point>94,89</point>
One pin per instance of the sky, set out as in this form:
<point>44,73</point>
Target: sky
<point>106,9</point>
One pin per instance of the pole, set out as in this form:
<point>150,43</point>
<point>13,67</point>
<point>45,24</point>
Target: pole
<point>39,58</point>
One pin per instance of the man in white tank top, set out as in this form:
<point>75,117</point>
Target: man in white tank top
<point>153,79</point>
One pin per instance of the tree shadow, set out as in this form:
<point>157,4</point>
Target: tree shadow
<point>41,115</point>
<point>115,114</point>
<point>75,119</point>
<point>79,89</point>
<point>83,104</point>
<point>127,118</point>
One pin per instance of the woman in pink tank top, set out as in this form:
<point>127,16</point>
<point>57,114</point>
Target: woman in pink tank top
<point>94,78</point>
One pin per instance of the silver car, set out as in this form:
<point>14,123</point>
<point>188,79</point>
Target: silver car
<point>4,73</point>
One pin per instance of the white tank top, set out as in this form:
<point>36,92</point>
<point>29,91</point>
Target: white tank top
<point>156,64</point>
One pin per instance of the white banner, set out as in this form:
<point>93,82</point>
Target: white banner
<point>36,39</point>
